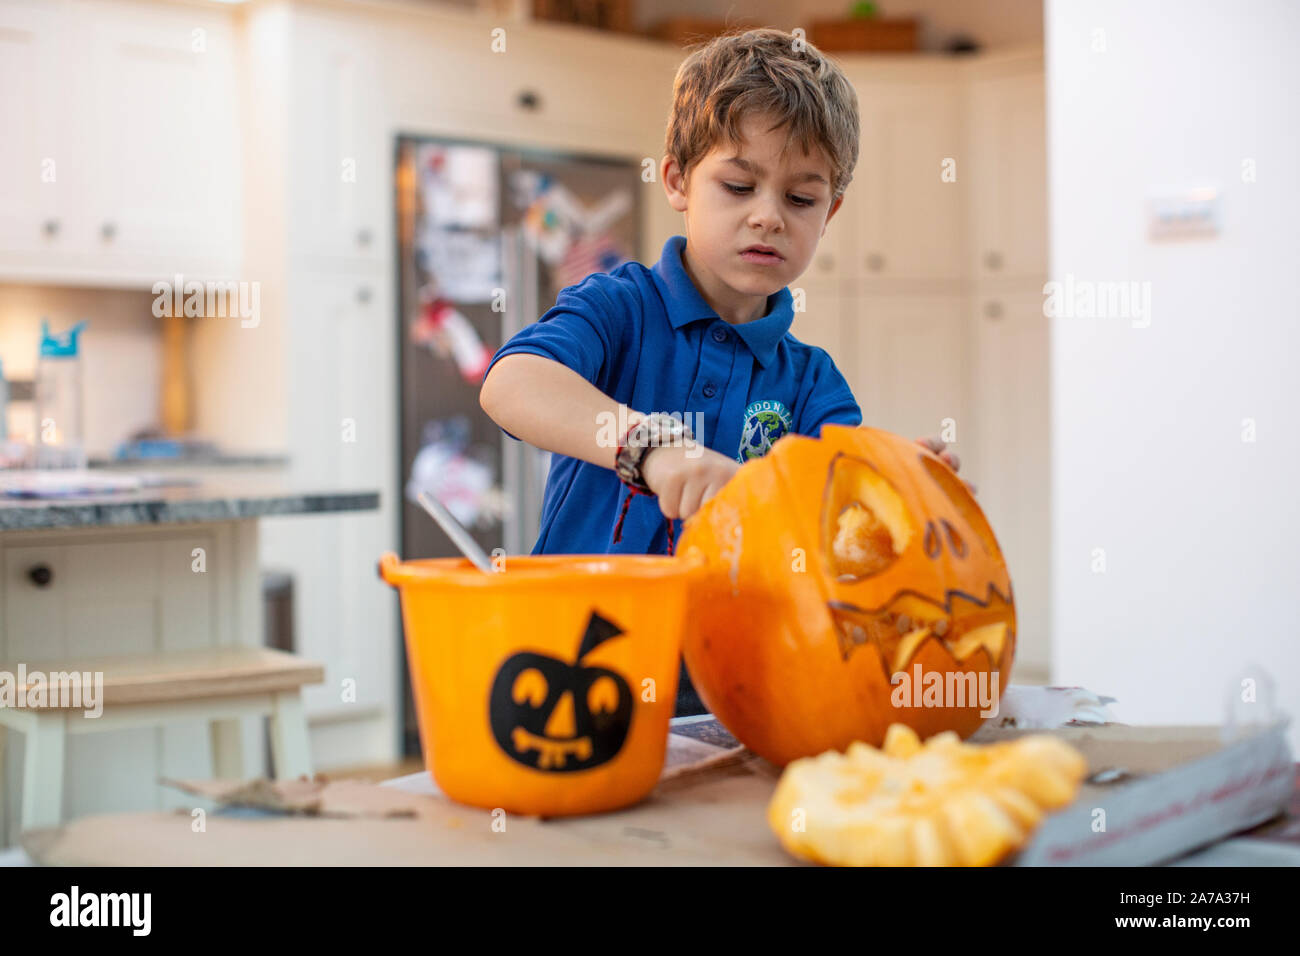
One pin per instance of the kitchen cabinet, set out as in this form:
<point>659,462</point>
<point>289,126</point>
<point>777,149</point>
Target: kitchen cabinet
<point>912,362</point>
<point>1008,457</point>
<point>838,245</point>
<point>131,110</point>
<point>162,144</point>
<point>36,172</point>
<point>1008,174</point>
<point>909,217</point>
<point>535,84</point>
<point>342,162</point>
<point>822,323</point>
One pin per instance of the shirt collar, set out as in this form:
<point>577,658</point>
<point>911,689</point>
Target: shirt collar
<point>685,305</point>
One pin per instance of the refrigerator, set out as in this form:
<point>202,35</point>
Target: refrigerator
<point>487,236</point>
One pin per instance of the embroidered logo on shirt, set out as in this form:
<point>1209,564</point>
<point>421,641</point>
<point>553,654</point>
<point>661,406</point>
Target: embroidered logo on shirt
<point>765,422</point>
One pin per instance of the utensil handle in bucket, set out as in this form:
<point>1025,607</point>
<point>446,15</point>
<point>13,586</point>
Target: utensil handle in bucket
<point>456,531</point>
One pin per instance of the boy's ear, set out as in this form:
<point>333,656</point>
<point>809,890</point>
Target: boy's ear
<point>834,208</point>
<point>670,175</point>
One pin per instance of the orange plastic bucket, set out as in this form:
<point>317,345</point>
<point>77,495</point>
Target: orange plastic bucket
<point>545,688</point>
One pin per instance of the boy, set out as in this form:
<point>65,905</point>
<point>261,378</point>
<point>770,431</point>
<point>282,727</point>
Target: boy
<point>761,144</point>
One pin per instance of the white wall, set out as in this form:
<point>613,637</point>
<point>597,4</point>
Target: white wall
<point>1201,529</point>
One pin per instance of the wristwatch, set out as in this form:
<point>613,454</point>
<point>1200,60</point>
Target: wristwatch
<point>658,428</point>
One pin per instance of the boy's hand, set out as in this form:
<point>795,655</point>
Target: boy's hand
<point>937,445</point>
<point>685,476</point>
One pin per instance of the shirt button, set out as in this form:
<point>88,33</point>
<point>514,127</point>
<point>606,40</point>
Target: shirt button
<point>710,390</point>
<point>719,335</point>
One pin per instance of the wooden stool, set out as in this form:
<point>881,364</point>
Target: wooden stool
<point>216,684</point>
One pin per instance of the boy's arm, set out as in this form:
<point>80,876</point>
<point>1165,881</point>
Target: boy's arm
<point>549,405</point>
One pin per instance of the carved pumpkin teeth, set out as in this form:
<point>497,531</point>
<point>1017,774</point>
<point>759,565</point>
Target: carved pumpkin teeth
<point>908,647</point>
<point>991,637</point>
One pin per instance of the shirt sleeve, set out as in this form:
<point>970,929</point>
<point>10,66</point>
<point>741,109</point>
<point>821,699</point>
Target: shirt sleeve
<point>581,331</point>
<point>829,400</point>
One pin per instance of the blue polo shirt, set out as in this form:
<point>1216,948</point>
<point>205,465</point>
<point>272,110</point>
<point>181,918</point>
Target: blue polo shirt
<point>648,339</point>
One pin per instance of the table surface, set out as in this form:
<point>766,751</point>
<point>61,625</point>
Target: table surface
<point>1237,850</point>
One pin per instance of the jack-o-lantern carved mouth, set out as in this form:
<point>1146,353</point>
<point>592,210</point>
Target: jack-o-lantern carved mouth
<point>899,630</point>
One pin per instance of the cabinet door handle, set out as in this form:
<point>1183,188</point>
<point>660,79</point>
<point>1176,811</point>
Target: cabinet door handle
<point>529,100</point>
<point>827,262</point>
<point>363,238</point>
<point>40,575</point>
<point>50,227</point>
<point>108,231</point>
<point>875,262</point>
<point>993,261</point>
<point>993,310</point>
<point>363,294</point>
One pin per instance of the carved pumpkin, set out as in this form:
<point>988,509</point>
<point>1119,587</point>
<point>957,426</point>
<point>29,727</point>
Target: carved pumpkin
<point>854,583</point>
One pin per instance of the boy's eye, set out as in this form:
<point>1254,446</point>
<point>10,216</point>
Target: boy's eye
<point>742,190</point>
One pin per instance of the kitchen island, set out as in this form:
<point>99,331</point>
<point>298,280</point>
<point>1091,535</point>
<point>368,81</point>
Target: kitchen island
<point>170,567</point>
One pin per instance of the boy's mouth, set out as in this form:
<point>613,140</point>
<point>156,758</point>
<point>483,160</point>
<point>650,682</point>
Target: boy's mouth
<point>761,254</point>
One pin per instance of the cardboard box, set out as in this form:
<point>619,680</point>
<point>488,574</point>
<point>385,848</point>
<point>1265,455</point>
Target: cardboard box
<point>1184,788</point>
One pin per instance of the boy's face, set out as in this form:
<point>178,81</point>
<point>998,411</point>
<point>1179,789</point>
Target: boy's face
<point>737,198</point>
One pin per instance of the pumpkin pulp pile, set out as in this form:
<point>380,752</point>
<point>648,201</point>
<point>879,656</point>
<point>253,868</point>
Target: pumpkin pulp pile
<point>941,803</point>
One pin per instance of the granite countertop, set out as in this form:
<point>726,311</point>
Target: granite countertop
<point>212,498</point>
<point>220,460</point>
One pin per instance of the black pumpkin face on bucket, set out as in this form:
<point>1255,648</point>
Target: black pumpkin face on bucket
<point>554,715</point>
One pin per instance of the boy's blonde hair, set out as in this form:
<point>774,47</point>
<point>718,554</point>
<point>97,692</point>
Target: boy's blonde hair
<point>763,71</point>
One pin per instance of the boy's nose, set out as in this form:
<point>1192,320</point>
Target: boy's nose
<point>766,216</point>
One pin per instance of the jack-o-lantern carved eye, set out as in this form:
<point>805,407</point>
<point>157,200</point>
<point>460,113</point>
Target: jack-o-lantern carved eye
<point>934,544</point>
<point>530,688</point>
<point>866,525</point>
<point>966,509</point>
<point>602,696</point>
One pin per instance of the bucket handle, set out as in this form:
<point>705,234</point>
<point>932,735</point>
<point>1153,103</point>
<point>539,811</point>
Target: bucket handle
<point>387,568</point>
